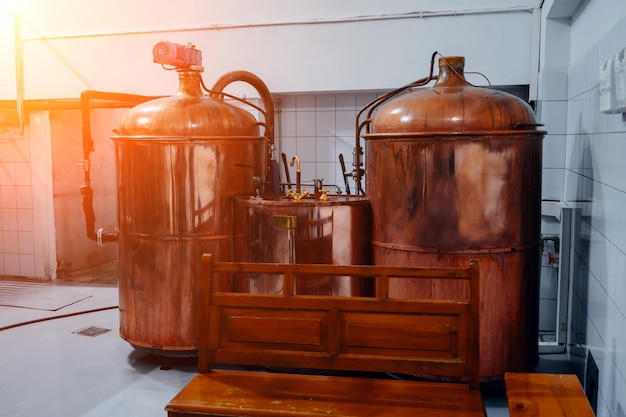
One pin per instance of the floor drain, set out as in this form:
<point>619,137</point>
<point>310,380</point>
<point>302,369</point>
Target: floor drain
<point>92,331</point>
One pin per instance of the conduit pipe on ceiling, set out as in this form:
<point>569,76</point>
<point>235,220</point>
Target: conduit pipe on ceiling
<point>320,21</point>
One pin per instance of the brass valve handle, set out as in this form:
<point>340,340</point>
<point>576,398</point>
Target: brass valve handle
<point>324,194</point>
<point>297,196</point>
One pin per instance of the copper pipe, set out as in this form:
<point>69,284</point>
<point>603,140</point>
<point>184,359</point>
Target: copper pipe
<point>287,176</point>
<point>371,106</point>
<point>268,105</point>
<point>120,100</point>
<point>298,172</point>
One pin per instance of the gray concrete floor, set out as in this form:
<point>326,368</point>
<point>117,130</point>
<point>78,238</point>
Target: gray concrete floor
<point>48,368</point>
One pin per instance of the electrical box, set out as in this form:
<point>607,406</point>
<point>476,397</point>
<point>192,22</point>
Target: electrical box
<point>608,102</point>
<point>613,84</point>
<point>620,80</point>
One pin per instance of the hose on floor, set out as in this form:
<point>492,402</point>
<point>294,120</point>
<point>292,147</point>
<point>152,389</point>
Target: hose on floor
<point>62,316</point>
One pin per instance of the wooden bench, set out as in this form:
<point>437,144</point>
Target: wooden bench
<point>545,395</point>
<point>369,337</point>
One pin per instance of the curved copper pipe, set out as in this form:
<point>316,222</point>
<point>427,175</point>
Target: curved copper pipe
<point>371,106</point>
<point>268,105</point>
<point>296,160</point>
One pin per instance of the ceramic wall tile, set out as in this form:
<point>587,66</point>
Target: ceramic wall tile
<point>27,265</point>
<point>7,173</point>
<point>22,174</point>
<point>10,241</point>
<point>305,148</point>
<point>363,99</point>
<point>552,180</point>
<point>619,341</point>
<point>11,264</point>
<point>24,196</point>
<point>325,150</point>
<point>305,102</point>
<point>554,83</point>
<point>9,219</point>
<point>346,102</point>
<point>287,101</point>
<point>26,243</point>
<point>345,123</point>
<point>6,152</point>
<point>25,221</point>
<point>305,123</point>
<point>8,196</point>
<point>21,151</point>
<point>325,123</point>
<point>554,151</point>
<point>553,115</point>
<point>325,102</point>
<point>618,292</point>
<point>287,123</point>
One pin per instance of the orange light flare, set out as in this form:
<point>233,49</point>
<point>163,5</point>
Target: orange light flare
<point>9,50</point>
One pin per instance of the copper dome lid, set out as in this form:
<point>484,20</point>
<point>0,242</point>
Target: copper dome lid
<point>188,113</point>
<point>452,105</point>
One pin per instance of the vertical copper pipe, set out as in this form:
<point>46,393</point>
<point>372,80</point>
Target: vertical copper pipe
<point>268,105</point>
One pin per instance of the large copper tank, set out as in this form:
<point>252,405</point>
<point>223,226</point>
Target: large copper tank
<point>454,172</point>
<point>179,160</point>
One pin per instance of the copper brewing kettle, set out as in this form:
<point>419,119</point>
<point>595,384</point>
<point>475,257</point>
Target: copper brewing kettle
<point>453,105</point>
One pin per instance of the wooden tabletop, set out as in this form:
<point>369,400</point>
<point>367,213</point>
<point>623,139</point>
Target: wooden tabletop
<point>266,394</point>
<point>546,395</point>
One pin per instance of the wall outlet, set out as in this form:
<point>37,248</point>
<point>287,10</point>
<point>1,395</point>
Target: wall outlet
<point>592,380</point>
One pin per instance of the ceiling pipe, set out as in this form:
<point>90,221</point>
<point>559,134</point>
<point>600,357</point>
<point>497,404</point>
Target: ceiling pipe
<point>318,21</point>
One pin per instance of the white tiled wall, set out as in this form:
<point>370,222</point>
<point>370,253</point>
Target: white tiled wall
<point>595,185</point>
<point>317,128</point>
<point>17,247</point>
<point>26,215</point>
<point>552,113</point>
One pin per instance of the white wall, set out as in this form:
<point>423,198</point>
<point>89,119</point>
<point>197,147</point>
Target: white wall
<point>71,45</point>
<point>552,112</point>
<point>595,186</point>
